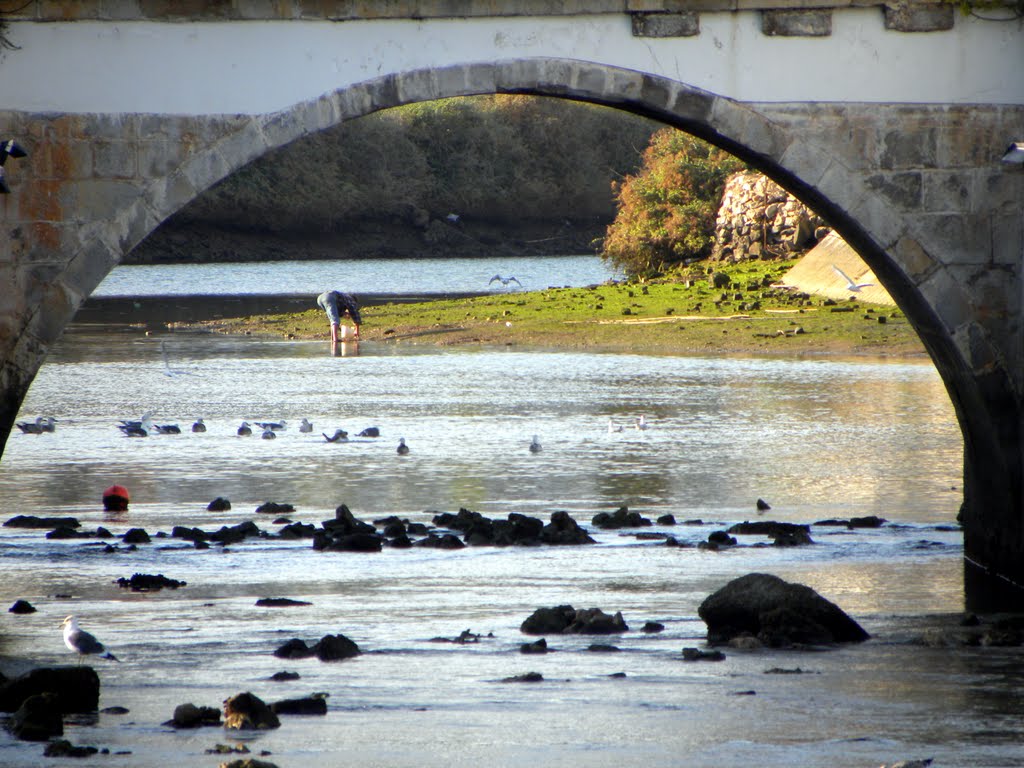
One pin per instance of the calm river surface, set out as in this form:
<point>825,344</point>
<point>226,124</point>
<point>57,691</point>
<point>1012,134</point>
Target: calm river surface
<point>815,438</point>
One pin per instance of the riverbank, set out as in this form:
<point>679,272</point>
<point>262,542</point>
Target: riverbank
<point>744,314</point>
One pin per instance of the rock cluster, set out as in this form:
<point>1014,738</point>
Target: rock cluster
<point>758,219</point>
<point>566,620</point>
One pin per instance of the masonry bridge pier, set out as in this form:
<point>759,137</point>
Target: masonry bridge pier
<point>890,119</point>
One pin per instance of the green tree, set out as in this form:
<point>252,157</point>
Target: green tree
<point>667,210</point>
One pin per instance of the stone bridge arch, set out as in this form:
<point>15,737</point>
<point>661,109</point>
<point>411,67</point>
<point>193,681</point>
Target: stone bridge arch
<point>866,168</point>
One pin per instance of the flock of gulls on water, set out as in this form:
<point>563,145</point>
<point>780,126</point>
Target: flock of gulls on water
<point>267,429</point>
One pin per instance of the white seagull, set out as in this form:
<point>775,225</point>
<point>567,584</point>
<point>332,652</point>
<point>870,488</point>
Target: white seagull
<point>850,284</point>
<point>613,427</point>
<point>37,427</point>
<point>140,428</point>
<point>535,445</point>
<point>641,422</point>
<point>306,425</point>
<point>504,280</point>
<point>82,643</point>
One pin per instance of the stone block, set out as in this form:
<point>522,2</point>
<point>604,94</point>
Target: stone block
<point>205,168</point>
<point>885,225</point>
<point>955,238</point>
<point>354,101</point>
<point>89,266</point>
<point>239,148</point>
<point>919,17</point>
<point>797,23</point>
<point>114,160</point>
<point>947,191</point>
<point>745,126</point>
<point>947,298</point>
<point>686,24</point>
<point>1008,240</point>
<point>909,147</point>
<point>166,195</point>
<point>902,189</point>
<point>110,127</point>
<point>690,104</point>
<point>416,86</point>
<point>912,258</point>
<point>807,160</point>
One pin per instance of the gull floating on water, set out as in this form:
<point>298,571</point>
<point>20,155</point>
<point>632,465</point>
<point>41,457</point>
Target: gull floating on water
<point>306,425</point>
<point>244,430</point>
<point>140,428</point>
<point>268,434</point>
<point>850,284</point>
<point>504,280</point>
<point>199,426</point>
<point>37,427</point>
<point>535,445</point>
<point>641,422</point>
<point>168,429</point>
<point>613,427</point>
<point>402,447</point>
<point>83,643</point>
<point>340,436</point>
<point>274,425</point>
<point>369,432</point>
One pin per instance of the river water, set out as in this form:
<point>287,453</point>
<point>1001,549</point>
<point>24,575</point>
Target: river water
<point>815,438</point>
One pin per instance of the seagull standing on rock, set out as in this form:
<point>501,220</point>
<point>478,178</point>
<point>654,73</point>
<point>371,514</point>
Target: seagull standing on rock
<point>83,643</point>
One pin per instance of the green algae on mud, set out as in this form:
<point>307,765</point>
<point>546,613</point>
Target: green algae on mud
<point>726,310</point>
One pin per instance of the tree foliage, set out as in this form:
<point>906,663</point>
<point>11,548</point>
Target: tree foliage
<point>497,158</point>
<point>667,210</point>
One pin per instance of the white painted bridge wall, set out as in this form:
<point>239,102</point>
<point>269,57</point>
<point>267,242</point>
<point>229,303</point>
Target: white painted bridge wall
<point>258,67</point>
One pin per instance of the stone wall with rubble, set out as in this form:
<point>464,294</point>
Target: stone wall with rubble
<point>758,219</point>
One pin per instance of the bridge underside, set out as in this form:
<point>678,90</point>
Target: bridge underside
<point>917,190</point>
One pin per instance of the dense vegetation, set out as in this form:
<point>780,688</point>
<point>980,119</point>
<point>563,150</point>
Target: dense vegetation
<point>503,161</point>
<point>667,211</point>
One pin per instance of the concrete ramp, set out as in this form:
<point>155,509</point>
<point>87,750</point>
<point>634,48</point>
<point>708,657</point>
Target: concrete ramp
<point>816,273</point>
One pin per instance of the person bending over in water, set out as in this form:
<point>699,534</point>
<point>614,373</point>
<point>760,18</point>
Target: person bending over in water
<point>337,304</point>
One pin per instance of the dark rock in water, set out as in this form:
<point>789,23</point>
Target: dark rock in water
<point>273,508</point>
<point>64,748</point>
<point>762,505</point>
<point>667,520</point>
<point>345,522</point>
<point>191,716</point>
<point>417,529</point>
<point>145,582</point>
<point>696,654</point>
<point>564,530</point>
<point>39,718</point>
<point>248,712</point>
<point>335,648</point>
<point>22,606</point>
<point>31,521</point>
<point>294,649</point>
<point>603,648</point>
<point>77,688</point>
<point>528,677</point>
<point>777,612</point>
<point>399,542</point>
<point>64,532</point>
<point>784,534</point>
<point>232,534</point>
<point>652,626</point>
<point>136,536</point>
<point>567,620</point>
<point>348,542</point>
<point>445,541</point>
<point>279,602</point>
<point>717,540</point>
<point>114,711</point>
<point>298,531</point>
<point>540,646</point>
<point>466,636</point>
<point>871,521</point>
<point>310,705</point>
<point>220,504</point>
<point>620,518</point>
<point>284,676</point>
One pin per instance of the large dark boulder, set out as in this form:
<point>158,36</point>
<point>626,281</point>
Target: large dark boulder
<point>31,521</point>
<point>191,716</point>
<point>566,620</point>
<point>620,518</point>
<point>77,688</point>
<point>311,705</point>
<point>38,718</point>
<point>248,712</point>
<point>777,612</point>
<point>335,648</point>
<point>564,530</point>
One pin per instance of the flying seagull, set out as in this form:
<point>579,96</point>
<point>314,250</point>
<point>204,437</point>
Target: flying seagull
<point>82,643</point>
<point>504,280</point>
<point>850,284</point>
